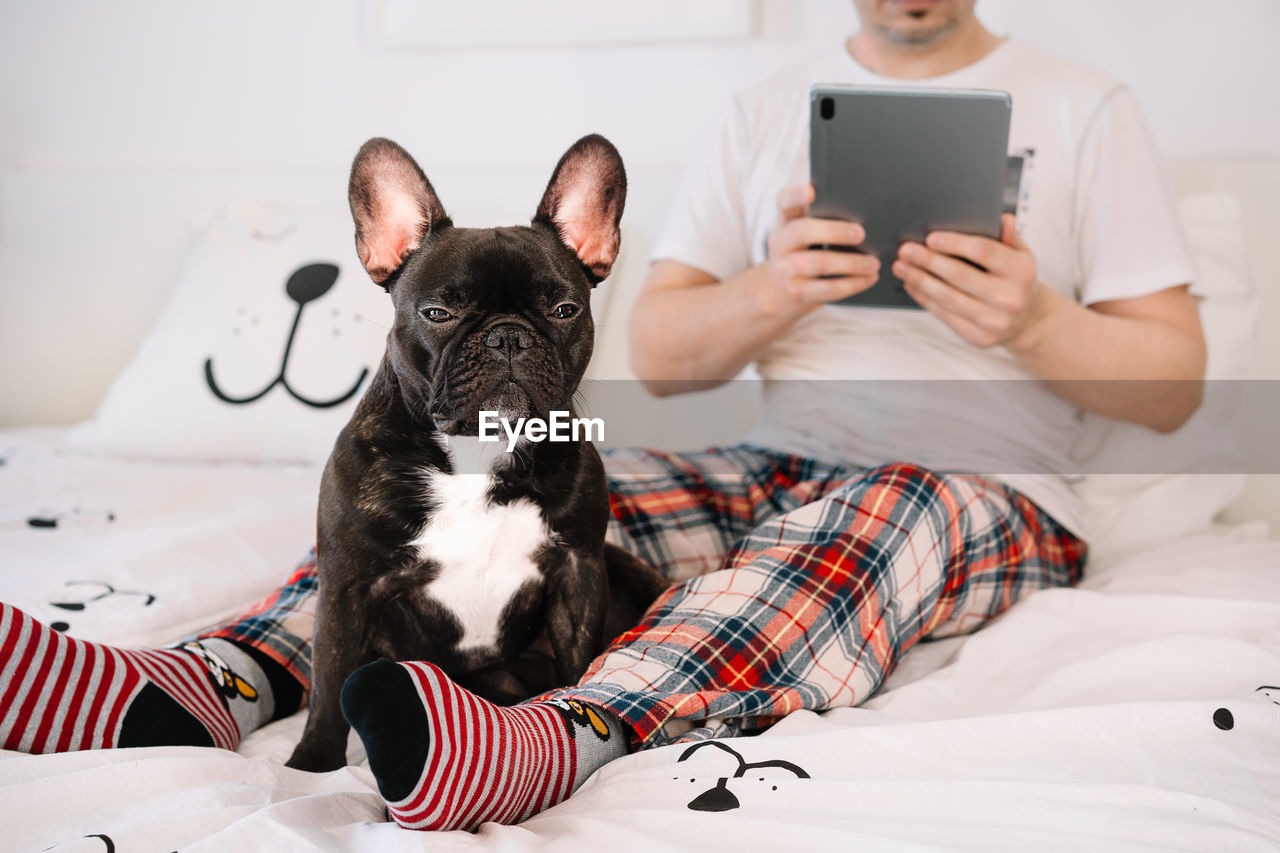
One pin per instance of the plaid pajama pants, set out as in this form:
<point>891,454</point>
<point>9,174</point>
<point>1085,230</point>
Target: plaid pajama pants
<point>801,585</point>
<point>798,584</point>
<point>282,624</point>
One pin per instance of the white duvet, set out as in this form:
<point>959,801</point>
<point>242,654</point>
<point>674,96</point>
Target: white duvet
<point>1137,712</point>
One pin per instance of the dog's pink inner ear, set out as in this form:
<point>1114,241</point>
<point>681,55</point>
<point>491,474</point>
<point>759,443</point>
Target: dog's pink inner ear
<point>584,202</point>
<point>395,230</point>
<point>588,232</point>
<point>393,204</point>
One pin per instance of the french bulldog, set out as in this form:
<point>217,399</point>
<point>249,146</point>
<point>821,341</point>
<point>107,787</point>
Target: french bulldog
<point>433,545</point>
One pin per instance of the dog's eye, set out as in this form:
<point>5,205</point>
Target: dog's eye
<point>564,311</point>
<point>436,315</point>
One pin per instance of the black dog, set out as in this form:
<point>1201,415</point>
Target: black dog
<point>433,545</point>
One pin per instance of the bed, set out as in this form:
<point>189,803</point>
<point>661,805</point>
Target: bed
<point>1139,711</point>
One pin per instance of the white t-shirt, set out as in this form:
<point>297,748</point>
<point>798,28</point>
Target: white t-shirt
<point>1093,204</point>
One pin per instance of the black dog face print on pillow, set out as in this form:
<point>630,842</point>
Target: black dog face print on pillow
<point>307,284</point>
<point>269,337</point>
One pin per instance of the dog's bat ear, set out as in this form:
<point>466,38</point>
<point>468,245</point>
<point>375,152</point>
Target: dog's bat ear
<point>393,205</point>
<point>584,203</point>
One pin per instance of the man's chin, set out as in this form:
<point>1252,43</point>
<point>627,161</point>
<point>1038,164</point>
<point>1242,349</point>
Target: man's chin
<point>923,36</point>
<point>918,27</point>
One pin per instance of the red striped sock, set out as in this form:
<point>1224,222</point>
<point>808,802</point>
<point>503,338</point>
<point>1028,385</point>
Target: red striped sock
<point>59,694</point>
<point>446,759</point>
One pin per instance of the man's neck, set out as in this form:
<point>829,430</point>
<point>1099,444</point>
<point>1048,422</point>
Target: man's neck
<point>959,49</point>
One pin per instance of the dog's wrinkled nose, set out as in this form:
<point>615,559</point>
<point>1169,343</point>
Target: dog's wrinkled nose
<point>509,336</point>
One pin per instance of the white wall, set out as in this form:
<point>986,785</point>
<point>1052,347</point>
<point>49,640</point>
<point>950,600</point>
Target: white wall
<point>141,100</point>
<point>145,84</point>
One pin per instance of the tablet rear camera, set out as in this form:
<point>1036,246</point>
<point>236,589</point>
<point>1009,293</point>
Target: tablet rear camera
<point>827,108</point>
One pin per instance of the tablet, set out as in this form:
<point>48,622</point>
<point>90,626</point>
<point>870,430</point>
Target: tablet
<point>904,162</point>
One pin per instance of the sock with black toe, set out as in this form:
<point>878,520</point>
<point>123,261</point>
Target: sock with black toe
<point>446,759</point>
<point>59,694</point>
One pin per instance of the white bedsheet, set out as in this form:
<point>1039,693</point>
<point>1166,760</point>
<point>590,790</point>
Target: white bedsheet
<point>1081,719</point>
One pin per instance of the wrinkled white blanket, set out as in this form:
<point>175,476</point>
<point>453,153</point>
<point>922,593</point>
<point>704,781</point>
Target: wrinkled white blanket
<point>1138,712</point>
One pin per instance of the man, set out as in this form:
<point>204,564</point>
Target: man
<point>814,555</point>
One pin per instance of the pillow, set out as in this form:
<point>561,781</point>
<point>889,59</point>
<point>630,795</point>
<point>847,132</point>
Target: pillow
<point>262,351</point>
<point>1127,511</point>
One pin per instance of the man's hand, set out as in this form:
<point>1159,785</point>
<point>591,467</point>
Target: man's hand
<point>691,330</point>
<point>1080,350</point>
<point>800,277</point>
<point>988,305</point>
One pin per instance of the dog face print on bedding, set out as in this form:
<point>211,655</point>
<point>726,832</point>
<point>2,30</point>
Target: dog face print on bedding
<point>720,797</point>
<point>77,596</point>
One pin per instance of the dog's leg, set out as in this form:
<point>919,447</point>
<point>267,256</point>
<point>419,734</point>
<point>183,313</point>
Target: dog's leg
<point>340,648</point>
<point>633,586</point>
<point>576,612</point>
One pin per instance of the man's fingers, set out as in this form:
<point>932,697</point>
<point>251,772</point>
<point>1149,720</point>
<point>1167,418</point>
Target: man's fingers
<point>954,271</point>
<point>813,291</point>
<point>794,201</point>
<point>1009,231</point>
<point>800,234</point>
<point>992,255</point>
<point>939,293</point>
<point>816,263</point>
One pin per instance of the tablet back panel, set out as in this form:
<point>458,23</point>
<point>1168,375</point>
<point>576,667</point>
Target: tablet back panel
<point>904,162</point>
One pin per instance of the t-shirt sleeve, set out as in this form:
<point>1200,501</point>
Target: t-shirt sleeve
<point>707,227</point>
<point>1130,240</point>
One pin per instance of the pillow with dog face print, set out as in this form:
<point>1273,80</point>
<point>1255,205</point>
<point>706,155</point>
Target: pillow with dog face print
<point>262,351</point>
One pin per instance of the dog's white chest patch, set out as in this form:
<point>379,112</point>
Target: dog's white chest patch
<point>484,551</point>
